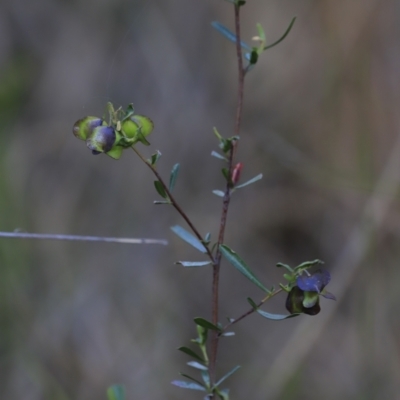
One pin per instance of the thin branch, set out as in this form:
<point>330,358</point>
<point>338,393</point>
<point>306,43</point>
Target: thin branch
<point>249,312</point>
<point>49,236</point>
<point>175,204</point>
<point>226,200</point>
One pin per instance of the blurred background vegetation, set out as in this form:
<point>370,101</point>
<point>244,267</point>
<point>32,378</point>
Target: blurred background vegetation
<point>321,122</point>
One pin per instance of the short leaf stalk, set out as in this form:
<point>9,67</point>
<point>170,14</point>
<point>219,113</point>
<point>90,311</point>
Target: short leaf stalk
<point>124,129</point>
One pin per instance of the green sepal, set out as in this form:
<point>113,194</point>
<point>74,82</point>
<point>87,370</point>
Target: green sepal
<point>307,264</point>
<point>115,152</point>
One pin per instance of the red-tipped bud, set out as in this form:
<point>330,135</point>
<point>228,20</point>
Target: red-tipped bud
<point>236,173</point>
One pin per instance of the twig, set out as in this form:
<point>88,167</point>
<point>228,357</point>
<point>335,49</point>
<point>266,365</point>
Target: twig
<point>175,204</point>
<point>249,312</point>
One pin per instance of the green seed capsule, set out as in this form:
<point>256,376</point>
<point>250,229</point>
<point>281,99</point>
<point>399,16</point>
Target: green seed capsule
<point>84,127</point>
<point>137,124</point>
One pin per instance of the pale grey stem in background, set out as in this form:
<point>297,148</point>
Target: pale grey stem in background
<point>48,236</point>
<point>344,271</point>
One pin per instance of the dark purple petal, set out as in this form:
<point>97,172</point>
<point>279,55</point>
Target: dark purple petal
<point>315,282</point>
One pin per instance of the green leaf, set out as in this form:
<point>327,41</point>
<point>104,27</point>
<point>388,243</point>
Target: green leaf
<point>190,353</point>
<point>154,158</point>
<point>217,155</point>
<point>217,134</point>
<point>276,317</point>
<point>173,176</point>
<point>116,392</point>
<point>252,303</point>
<point>307,264</point>
<point>219,193</point>
<point>282,37</point>
<point>225,173</point>
<point>281,265</point>
<point>160,189</point>
<point>193,263</point>
<point>206,378</point>
<point>255,179</point>
<point>261,33</point>
<point>241,266</point>
<point>207,238</point>
<point>195,364</point>
<point>206,324</point>
<point>188,238</point>
<point>189,385</point>
<point>161,202</point>
<point>229,34</point>
<point>226,376</point>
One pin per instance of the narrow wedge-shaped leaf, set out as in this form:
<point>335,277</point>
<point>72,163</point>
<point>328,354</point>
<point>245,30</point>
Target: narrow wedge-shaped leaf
<point>154,158</point>
<point>241,266</point>
<point>283,36</point>
<point>206,378</point>
<point>191,264</point>
<point>189,385</point>
<point>226,376</point>
<point>188,238</point>
<point>206,324</point>
<point>308,264</point>
<point>227,334</point>
<point>252,303</point>
<point>261,33</point>
<point>190,353</point>
<point>217,155</point>
<point>116,392</point>
<point>160,189</point>
<point>173,176</point>
<point>219,193</point>
<point>229,34</point>
<point>276,317</point>
<point>223,394</point>
<point>281,265</point>
<point>255,179</point>
<point>195,364</point>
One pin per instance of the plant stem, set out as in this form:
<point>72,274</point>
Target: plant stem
<point>249,312</point>
<point>175,204</point>
<point>226,201</point>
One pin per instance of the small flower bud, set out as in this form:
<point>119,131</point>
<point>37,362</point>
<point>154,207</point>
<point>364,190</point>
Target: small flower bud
<point>84,127</point>
<point>236,173</point>
<point>101,140</point>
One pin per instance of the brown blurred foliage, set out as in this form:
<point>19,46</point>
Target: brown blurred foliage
<point>320,122</point>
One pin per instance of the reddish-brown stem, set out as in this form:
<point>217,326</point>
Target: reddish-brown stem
<point>174,203</point>
<point>225,203</point>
